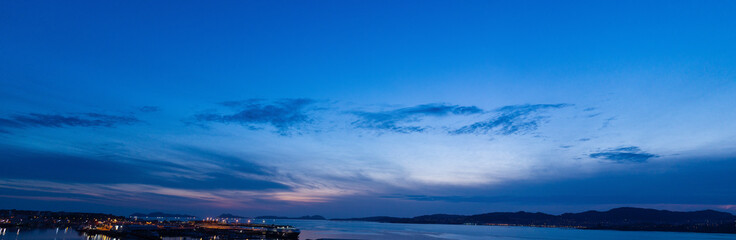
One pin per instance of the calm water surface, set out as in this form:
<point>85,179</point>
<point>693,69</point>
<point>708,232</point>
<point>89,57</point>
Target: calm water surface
<point>318,229</point>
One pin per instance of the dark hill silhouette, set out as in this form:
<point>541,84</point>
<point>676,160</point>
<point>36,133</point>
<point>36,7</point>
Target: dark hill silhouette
<point>228,215</point>
<point>307,217</point>
<point>626,218</point>
<point>628,215</point>
<point>514,218</point>
<point>160,214</point>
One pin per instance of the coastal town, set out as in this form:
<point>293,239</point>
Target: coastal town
<point>116,227</point>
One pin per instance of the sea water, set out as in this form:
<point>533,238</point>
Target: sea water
<point>322,229</point>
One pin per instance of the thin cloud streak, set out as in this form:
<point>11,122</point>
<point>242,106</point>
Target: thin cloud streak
<point>398,120</point>
<point>514,119</point>
<point>139,192</point>
<point>285,115</point>
<point>69,120</point>
<point>624,155</point>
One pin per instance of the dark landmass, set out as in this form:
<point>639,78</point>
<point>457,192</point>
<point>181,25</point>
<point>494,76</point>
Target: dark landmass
<point>312,217</point>
<point>160,214</point>
<point>228,215</point>
<point>134,229</point>
<point>46,219</point>
<point>108,226</point>
<point>627,219</point>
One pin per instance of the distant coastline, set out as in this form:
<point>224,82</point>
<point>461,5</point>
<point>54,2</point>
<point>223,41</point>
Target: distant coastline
<point>160,215</point>
<point>308,217</point>
<point>623,219</point>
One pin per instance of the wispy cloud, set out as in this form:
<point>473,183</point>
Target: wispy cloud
<point>395,120</point>
<point>159,196</point>
<point>201,170</point>
<point>511,120</point>
<point>148,109</point>
<point>8,123</point>
<point>429,198</point>
<point>69,120</point>
<point>44,198</point>
<point>624,155</point>
<point>285,115</point>
<point>289,115</point>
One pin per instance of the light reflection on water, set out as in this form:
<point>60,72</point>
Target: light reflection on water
<point>316,229</point>
<point>320,229</point>
<point>37,234</point>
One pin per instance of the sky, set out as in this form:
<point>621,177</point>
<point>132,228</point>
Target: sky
<point>366,108</point>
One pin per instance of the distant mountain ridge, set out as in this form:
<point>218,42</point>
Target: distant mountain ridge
<point>626,218</point>
<point>228,215</point>
<point>160,214</point>
<point>307,217</point>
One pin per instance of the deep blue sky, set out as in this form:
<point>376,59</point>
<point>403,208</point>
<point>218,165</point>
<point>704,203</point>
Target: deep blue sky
<point>359,108</point>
